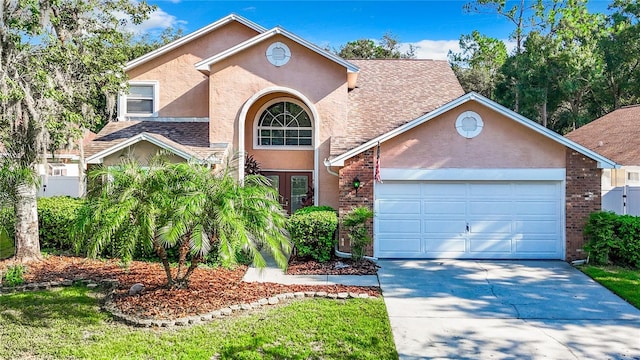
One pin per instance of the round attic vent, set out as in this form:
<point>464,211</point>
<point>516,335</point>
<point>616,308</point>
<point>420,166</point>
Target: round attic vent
<point>278,54</point>
<point>469,124</point>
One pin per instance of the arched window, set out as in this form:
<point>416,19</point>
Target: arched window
<point>284,123</point>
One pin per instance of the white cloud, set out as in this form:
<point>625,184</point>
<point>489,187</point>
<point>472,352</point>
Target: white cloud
<point>158,20</point>
<point>438,49</point>
<point>432,49</point>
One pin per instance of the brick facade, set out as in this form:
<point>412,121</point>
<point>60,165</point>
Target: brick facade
<point>582,198</point>
<point>362,167</point>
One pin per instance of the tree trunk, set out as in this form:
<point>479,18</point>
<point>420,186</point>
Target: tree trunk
<point>182,254</point>
<point>184,282</point>
<point>162,254</point>
<point>27,234</point>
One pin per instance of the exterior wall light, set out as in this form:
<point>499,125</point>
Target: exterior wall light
<point>356,184</point>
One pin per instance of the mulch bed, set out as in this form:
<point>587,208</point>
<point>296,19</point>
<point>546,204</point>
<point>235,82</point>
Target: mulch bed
<point>209,289</point>
<point>335,266</point>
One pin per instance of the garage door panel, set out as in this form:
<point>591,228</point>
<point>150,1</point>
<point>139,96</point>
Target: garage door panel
<point>537,245</point>
<point>493,245</point>
<point>491,227</point>
<point>444,208</point>
<point>401,244</point>
<point>444,226</point>
<point>547,190</point>
<point>536,208</point>
<point>490,208</point>
<point>507,219</point>
<point>398,190</point>
<point>399,208</point>
<point>399,226</point>
<point>549,227</point>
<point>490,190</point>
<point>443,190</point>
<point>445,245</point>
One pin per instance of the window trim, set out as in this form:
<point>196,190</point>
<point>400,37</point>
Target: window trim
<point>122,99</point>
<point>264,107</point>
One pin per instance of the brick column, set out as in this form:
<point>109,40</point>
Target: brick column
<point>362,167</point>
<point>582,192</point>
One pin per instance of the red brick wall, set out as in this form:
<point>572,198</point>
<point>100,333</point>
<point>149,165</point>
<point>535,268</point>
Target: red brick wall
<point>361,166</point>
<point>583,197</point>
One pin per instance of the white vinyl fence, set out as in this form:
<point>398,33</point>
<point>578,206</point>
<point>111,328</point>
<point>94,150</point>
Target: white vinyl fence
<point>622,200</point>
<point>60,186</point>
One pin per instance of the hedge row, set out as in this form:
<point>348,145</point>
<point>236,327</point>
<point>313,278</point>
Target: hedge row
<point>613,239</point>
<point>56,217</point>
<point>312,228</point>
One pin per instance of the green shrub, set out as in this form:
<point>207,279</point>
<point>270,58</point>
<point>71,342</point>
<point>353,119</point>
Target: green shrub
<point>14,275</point>
<point>7,248</point>
<point>56,218</point>
<point>613,239</point>
<point>8,220</point>
<point>355,223</point>
<point>312,232</point>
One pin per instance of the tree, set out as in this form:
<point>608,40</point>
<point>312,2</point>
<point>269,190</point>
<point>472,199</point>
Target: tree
<point>620,52</point>
<point>148,42</point>
<point>387,48</point>
<point>478,64</point>
<point>185,207</point>
<point>56,59</point>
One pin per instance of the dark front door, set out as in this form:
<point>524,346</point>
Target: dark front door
<point>295,188</point>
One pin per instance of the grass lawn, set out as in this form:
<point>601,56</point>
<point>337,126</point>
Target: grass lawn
<point>624,282</point>
<point>67,323</point>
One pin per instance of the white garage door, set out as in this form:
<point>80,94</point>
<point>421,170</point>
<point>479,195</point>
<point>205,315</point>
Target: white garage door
<point>475,220</point>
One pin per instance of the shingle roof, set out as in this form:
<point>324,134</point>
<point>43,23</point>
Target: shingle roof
<point>392,92</point>
<point>615,135</point>
<point>190,137</point>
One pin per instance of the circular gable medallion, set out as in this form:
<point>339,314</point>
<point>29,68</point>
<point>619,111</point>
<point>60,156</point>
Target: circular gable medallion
<point>278,54</point>
<point>469,124</point>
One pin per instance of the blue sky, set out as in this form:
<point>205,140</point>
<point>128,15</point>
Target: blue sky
<point>433,26</point>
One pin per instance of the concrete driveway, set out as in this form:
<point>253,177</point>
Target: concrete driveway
<point>456,309</point>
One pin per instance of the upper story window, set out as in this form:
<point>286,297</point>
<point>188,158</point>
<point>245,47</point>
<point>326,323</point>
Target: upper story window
<point>56,169</point>
<point>141,101</point>
<point>284,123</point>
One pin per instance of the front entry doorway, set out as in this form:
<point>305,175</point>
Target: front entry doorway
<point>295,188</point>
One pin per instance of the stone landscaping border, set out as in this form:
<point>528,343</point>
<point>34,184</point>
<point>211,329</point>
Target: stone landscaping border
<point>110,285</point>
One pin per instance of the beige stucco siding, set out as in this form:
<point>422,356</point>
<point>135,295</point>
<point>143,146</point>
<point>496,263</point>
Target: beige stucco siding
<point>503,143</point>
<point>322,82</point>
<point>183,90</point>
<point>141,151</point>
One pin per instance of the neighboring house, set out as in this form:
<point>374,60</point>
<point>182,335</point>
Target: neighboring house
<point>462,177</point>
<point>616,136</point>
<point>60,174</point>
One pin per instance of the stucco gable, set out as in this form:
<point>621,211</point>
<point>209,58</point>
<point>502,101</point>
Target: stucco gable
<point>205,64</point>
<point>603,162</point>
<point>193,36</point>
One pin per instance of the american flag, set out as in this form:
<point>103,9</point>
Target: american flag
<point>377,175</point>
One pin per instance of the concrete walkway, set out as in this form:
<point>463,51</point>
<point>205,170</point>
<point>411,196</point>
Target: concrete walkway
<point>451,309</point>
<point>273,274</point>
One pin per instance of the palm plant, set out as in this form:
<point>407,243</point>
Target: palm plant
<point>184,206</point>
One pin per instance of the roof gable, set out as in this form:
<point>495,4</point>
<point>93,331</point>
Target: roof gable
<point>155,139</point>
<point>615,135</point>
<point>190,37</point>
<point>205,64</point>
<point>603,162</point>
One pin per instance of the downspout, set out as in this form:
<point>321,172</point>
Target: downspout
<point>339,253</point>
<point>328,166</point>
